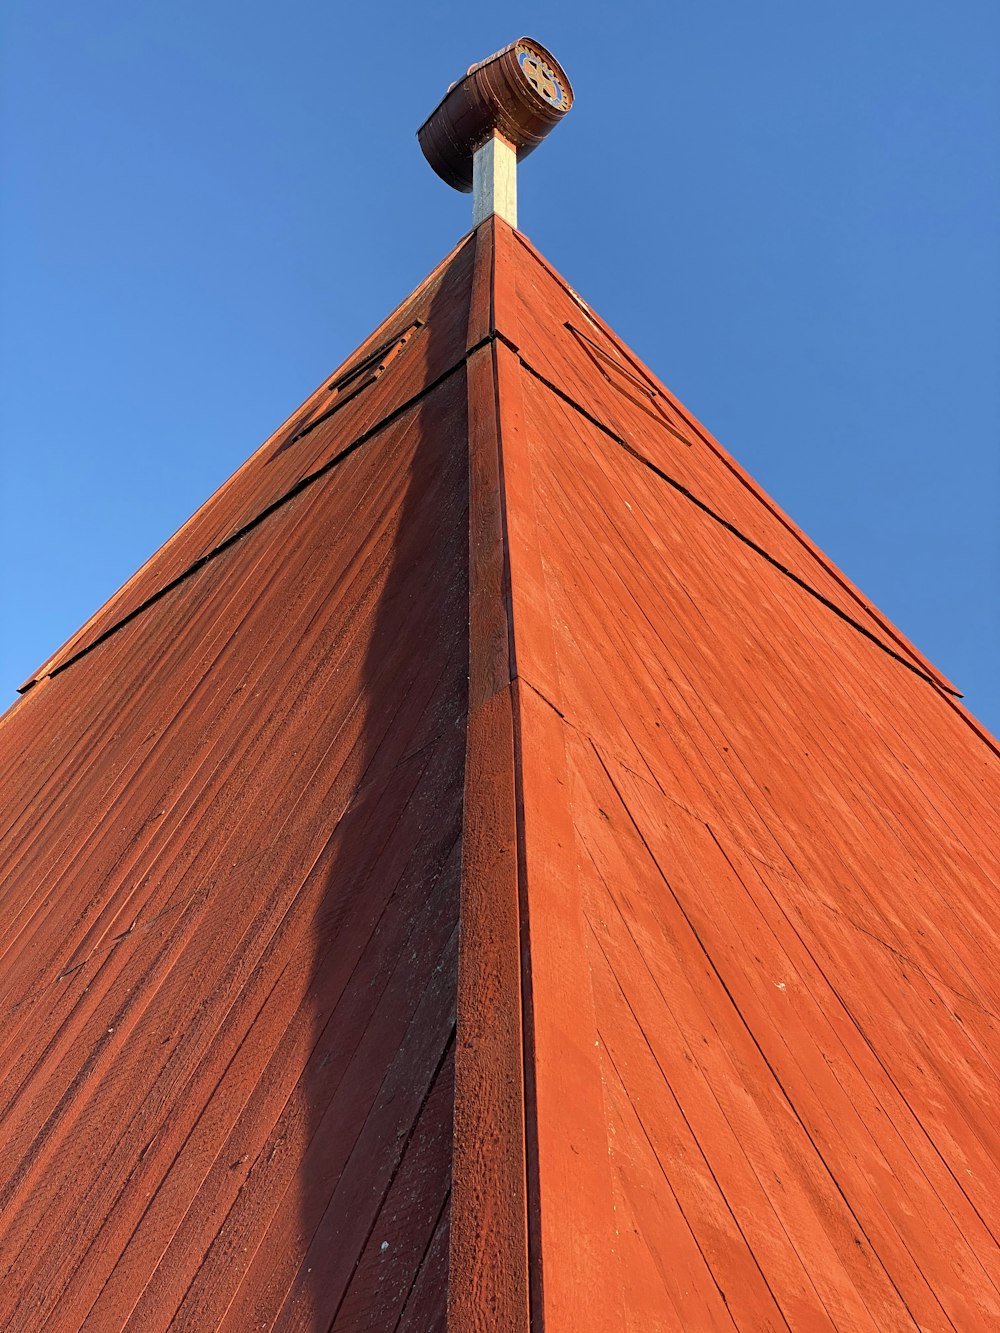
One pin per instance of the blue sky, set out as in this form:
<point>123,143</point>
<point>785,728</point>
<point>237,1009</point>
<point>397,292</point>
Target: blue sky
<point>790,211</point>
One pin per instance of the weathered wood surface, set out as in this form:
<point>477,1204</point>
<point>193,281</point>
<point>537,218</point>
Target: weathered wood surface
<point>230,862</point>
<point>788,860</point>
<point>489,1240</point>
<point>311,440</point>
<point>516,882</point>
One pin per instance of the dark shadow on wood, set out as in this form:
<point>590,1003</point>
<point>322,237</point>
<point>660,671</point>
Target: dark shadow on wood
<point>374,1180</point>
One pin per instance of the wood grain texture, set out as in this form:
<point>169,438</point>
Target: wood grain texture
<point>566,342</point>
<point>786,839</point>
<point>489,1240</point>
<point>574,1270</point>
<point>310,440</point>
<point>231,871</point>
<point>490,871</point>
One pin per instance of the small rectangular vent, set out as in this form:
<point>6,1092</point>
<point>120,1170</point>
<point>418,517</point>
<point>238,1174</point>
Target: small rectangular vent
<point>370,367</point>
<point>348,385</point>
<point>629,385</point>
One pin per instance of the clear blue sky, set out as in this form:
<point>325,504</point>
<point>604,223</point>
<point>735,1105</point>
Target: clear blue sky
<point>791,211</point>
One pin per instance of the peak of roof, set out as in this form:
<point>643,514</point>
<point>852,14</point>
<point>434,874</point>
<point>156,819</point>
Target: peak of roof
<point>490,864</point>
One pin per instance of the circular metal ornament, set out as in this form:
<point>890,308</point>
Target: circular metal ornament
<point>542,77</point>
<point>520,93</point>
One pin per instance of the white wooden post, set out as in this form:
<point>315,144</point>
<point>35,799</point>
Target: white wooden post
<point>494,181</point>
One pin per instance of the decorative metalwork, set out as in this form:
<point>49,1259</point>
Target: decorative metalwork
<point>542,77</point>
<point>520,93</point>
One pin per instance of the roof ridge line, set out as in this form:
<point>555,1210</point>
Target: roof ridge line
<point>523,1173</point>
<point>489,1246</point>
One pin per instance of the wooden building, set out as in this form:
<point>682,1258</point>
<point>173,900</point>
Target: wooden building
<point>489,870</point>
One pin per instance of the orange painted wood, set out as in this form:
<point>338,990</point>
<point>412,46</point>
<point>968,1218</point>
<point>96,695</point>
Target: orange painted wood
<point>489,1240</point>
<point>676,647</point>
<point>490,870</point>
<point>489,1217</point>
<point>574,1276</point>
<point>256,826</point>
<point>284,460</point>
<point>577,1276</point>
<point>669,432</point>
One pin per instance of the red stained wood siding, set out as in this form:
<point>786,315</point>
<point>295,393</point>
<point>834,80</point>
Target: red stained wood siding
<point>311,441</point>
<point>489,870</point>
<point>230,864</point>
<point>784,830</point>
